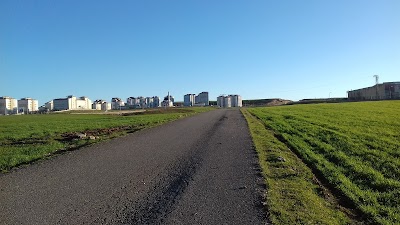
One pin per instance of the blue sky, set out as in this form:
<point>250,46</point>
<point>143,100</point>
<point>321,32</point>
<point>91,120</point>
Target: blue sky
<point>258,49</point>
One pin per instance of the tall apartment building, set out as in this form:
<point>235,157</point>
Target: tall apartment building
<point>83,103</point>
<point>156,102</point>
<point>189,100</point>
<point>117,103</point>
<point>149,102</point>
<point>236,100</point>
<point>229,101</point>
<point>220,101</point>
<point>101,105</point>
<point>97,104</point>
<point>106,106</point>
<point>133,102</point>
<point>28,105</point>
<point>8,105</point>
<point>201,99</point>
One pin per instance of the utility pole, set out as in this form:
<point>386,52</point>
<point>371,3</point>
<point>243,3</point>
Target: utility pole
<point>376,85</point>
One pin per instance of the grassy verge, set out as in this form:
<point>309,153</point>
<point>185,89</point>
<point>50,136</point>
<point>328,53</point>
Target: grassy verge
<point>353,146</point>
<point>27,138</point>
<point>293,193</point>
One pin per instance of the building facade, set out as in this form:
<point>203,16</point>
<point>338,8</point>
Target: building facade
<point>156,102</point>
<point>49,106</point>
<point>220,101</point>
<point>202,98</point>
<point>133,102</point>
<point>8,105</point>
<point>97,104</point>
<point>196,100</point>
<point>117,104</point>
<point>236,101</point>
<point>83,103</point>
<point>28,105</point>
<point>72,103</point>
<point>105,106</point>
<point>168,101</point>
<point>229,101</point>
<point>143,102</point>
<point>189,100</point>
<point>384,91</point>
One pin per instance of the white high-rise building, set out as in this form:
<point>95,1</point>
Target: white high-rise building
<point>28,105</point>
<point>83,103</point>
<point>149,102</point>
<point>156,101</point>
<point>229,101</point>
<point>133,102</point>
<point>8,105</point>
<point>189,100</point>
<point>117,103</point>
<point>97,104</point>
<point>106,106</point>
<point>236,100</point>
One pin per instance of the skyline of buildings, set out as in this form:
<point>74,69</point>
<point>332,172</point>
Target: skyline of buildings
<point>9,105</point>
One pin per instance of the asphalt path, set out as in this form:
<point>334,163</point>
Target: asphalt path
<point>197,170</point>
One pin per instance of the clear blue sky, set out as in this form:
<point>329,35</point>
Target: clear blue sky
<point>258,49</point>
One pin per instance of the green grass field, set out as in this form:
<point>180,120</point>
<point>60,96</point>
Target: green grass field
<point>26,138</point>
<point>354,146</point>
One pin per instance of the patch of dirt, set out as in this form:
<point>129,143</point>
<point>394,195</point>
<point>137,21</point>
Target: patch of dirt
<point>277,102</point>
<point>97,132</point>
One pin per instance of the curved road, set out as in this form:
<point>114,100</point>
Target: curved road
<point>197,170</point>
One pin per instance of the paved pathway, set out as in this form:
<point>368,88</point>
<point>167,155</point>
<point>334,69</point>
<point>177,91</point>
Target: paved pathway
<point>198,170</point>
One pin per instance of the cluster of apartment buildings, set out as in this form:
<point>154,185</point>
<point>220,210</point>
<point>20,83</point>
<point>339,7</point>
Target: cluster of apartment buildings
<point>83,103</point>
<point>9,105</point>
<point>143,102</point>
<point>196,100</point>
<point>229,101</point>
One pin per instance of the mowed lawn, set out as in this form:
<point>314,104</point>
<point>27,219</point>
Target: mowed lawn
<point>26,138</point>
<point>354,146</point>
